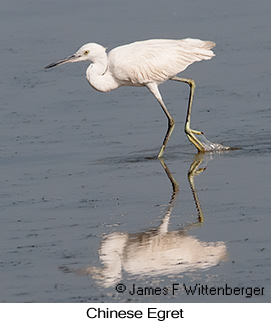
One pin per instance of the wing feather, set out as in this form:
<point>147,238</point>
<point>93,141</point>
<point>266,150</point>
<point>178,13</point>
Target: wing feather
<point>156,60</point>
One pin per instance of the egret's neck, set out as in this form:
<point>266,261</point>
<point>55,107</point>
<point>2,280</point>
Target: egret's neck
<point>99,76</point>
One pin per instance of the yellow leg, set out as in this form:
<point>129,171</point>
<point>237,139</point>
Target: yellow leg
<point>190,132</point>
<point>193,171</point>
<point>171,123</point>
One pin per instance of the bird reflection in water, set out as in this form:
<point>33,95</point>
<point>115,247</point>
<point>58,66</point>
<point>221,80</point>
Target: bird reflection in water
<point>157,251</point>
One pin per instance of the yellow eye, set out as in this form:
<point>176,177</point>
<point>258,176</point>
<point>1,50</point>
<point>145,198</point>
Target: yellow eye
<point>86,52</point>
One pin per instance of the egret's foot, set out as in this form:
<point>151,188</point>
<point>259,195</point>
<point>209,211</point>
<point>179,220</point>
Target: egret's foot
<point>195,141</point>
<point>204,145</point>
<point>161,152</point>
<point>195,132</point>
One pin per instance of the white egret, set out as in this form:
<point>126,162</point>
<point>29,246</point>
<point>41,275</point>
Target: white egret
<point>146,63</point>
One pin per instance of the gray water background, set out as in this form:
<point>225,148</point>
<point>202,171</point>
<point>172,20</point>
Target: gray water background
<point>73,166</point>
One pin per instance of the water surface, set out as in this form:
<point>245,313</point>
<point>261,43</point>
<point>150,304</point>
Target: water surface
<point>74,177</point>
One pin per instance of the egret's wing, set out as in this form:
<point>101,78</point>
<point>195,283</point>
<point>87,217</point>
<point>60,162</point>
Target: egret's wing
<point>157,60</point>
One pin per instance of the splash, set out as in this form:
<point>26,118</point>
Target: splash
<point>212,147</point>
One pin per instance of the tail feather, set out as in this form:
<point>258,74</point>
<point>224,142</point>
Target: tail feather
<point>207,44</point>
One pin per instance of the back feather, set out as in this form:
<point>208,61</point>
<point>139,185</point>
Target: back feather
<point>157,60</point>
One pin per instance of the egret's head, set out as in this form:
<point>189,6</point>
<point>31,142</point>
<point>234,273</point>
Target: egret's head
<point>88,52</point>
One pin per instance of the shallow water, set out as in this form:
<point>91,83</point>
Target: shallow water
<point>81,205</point>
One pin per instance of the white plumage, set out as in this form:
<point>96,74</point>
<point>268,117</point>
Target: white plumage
<point>156,60</point>
<point>145,63</point>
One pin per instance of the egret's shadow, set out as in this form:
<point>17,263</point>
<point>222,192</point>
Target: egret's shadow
<point>157,251</point>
